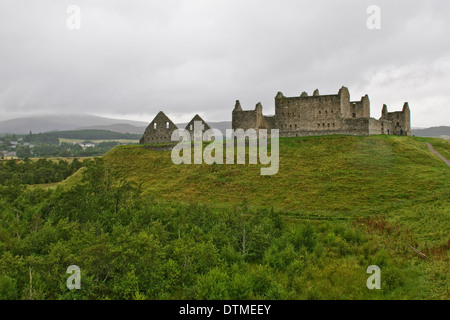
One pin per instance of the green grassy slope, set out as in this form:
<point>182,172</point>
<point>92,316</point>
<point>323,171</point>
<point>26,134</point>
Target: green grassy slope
<point>338,174</point>
<point>392,189</point>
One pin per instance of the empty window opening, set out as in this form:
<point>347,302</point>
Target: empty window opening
<point>354,115</point>
<point>154,125</point>
<point>167,125</point>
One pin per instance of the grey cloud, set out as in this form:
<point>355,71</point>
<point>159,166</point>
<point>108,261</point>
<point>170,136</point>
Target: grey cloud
<point>134,58</point>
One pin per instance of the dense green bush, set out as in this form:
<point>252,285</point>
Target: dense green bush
<point>14,172</point>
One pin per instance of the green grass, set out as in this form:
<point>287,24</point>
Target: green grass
<point>127,141</point>
<point>440,145</point>
<point>392,189</point>
<point>336,174</point>
<point>43,185</point>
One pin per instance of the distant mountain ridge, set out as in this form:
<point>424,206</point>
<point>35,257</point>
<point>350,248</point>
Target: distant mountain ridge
<point>436,132</point>
<point>125,128</point>
<point>118,127</point>
<point>49,123</point>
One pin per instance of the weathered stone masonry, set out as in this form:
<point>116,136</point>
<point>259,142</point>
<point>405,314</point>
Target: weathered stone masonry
<point>161,128</point>
<point>301,116</point>
<point>323,115</point>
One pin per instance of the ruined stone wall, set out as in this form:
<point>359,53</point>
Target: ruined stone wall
<point>190,127</point>
<point>315,113</point>
<point>397,121</point>
<point>322,115</point>
<point>268,122</point>
<point>348,127</point>
<point>376,126</point>
<point>360,109</point>
<point>380,126</point>
<point>345,102</point>
<point>400,123</point>
<point>244,119</point>
<point>406,118</point>
<point>159,130</point>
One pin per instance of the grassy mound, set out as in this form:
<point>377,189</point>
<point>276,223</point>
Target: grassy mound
<point>390,191</point>
<point>338,174</point>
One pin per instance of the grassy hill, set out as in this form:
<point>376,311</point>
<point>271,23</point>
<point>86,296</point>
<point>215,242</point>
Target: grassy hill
<point>334,176</point>
<point>340,204</point>
<point>338,174</point>
<point>392,188</point>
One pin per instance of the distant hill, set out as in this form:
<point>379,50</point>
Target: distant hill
<point>221,125</point>
<point>47,123</point>
<point>57,137</point>
<point>118,127</point>
<point>435,132</point>
<point>127,128</point>
<point>51,123</point>
<point>94,135</point>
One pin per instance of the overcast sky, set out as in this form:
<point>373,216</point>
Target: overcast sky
<point>131,59</point>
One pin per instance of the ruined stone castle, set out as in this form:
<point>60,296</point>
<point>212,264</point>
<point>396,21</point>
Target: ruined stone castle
<point>323,115</point>
<point>301,116</point>
<point>161,128</point>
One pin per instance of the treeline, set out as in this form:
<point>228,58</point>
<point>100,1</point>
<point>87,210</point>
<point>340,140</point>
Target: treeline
<point>41,138</point>
<point>13,172</point>
<point>64,150</point>
<point>53,137</point>
<point>129,246</point>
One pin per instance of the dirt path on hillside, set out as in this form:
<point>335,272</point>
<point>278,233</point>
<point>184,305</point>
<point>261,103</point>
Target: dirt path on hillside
<point>437,153</point>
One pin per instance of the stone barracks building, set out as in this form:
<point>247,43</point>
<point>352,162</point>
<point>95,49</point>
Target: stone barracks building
<point>323,115</point>
<point>302,116</point>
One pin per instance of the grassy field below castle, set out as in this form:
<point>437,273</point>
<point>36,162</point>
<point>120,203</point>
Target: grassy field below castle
<point>391,183</point>
<point>333,176</point>
<point>143,228</point>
